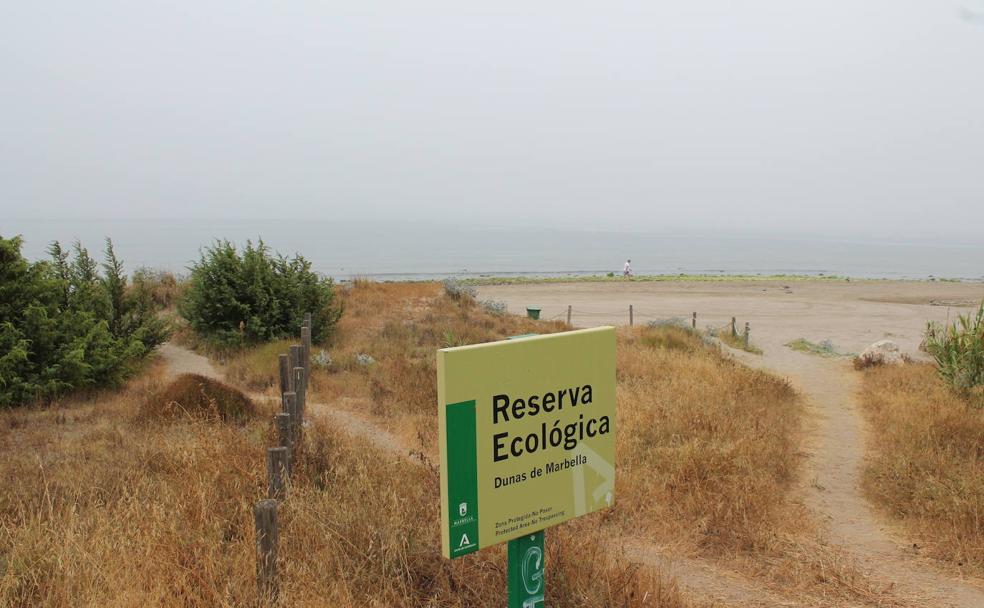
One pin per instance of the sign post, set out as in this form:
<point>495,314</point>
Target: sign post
<point>527,572</point>
<point>527,441</point>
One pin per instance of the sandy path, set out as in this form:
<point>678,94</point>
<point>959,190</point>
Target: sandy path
<point>852,315</point>
<point>180,360</point>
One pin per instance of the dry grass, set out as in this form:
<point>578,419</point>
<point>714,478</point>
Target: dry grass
<point>191,395</point>
<point>258,368</point>
<point>400,326</point>
<point>707,465</point>
<point>708,449</point>
<point>926,466</point>
<point>737,341</point>
<point>103,507</point>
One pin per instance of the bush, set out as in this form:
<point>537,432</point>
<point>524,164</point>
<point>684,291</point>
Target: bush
<point>64,325</point>
<point>458,291</point>
<point>236,299</point>
<point>495,307</point>
<point>959,350</point>
<point>196,396</point>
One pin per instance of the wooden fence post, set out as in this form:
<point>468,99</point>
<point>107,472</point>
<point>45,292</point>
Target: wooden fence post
<point>734,328</point>
<point>746,335</point>
<point>284,437</point>
<point>267,537</point>
<point>276,472</point>
<point>693,323</point>
<point>307,319</point>
<point>630,315</point>
<point>285,378</point>
<point>306,350</point>
<point>568,314</point>
<point>295,358</point>
<point>290,407</point>
<point>300,387</point>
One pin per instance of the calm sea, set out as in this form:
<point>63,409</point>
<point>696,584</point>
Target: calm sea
<point>420,251</point>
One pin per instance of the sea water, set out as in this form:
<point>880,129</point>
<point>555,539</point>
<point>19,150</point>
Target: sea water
<point>399,251</point>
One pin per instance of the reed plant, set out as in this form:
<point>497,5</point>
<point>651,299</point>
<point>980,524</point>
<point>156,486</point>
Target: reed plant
<point>958,349</point>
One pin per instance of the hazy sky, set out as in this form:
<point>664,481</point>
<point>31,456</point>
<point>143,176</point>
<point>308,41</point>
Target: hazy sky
<point>834,116</point>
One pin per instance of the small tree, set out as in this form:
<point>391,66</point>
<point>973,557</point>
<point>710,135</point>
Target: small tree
<point>959,350</point>
<point>63,326</point>
<point>238,298</point>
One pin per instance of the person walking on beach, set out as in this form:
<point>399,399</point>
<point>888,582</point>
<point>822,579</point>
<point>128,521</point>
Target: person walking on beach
<point>627,271</point>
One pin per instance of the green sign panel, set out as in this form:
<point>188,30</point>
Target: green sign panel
<point>527,436</point>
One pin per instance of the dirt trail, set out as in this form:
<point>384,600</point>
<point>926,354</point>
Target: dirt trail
<point>180,360</point>
<point>708,581</point>
<point>852,315</point>
<point>833,472</point>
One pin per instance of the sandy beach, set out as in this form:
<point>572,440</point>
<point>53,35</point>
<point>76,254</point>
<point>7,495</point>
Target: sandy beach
<point>851,314</point>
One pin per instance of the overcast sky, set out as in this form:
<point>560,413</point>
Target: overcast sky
<point>833,116</point>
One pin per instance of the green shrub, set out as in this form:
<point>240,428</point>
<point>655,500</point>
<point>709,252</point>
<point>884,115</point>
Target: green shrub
<point>959,350</point>
<point>64,325</point>
<point>234,298</point>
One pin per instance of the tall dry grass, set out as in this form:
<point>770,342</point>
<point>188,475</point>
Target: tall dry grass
<point>400,326</point>
<point>709,459</point>
<point>103,506</point>
<point>708,449</point>
<point>926,462</point>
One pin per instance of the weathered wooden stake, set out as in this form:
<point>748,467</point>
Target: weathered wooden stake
<point>285,378</point>
<point>295,358</point>
<point>306,350</point>
<point>630,314</point>
<point>290,407</point>
<point>694,322</point>
<point>568,314</point>
<point>300,387</point>
<point>283,437</point>
<point>307,319</point>
<point>267,537</point>
<point>276,472</point>
<point>734,328</point>
<point>746,335</point>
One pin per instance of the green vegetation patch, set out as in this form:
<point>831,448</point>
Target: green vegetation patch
<point>64,325</point>
<point>825,348</point>
<point>238,298</point>
<point>959,351</point>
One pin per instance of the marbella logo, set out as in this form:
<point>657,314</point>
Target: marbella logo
<point>463,509</point>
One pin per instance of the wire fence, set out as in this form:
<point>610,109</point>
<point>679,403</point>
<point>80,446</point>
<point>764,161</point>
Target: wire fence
<point>631,315</point>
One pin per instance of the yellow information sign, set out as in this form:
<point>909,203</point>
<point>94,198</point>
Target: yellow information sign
<point>527,435</point>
